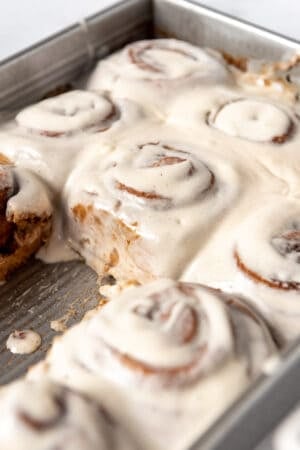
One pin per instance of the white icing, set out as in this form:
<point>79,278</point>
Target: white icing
<point>64,420</point>
<point>163,59</point>
<point>157,346</point>
<point>252,238</point>
<point>32,195</point>
<point>57,248</point>
<point>158,71</point>
<point>252,119</point>
<point>169,130</point>
<point>44,163</point>
<point>259,235</point>
<point>190,203</point>
<point>175,409</point>
<point>23,341</point>
<point>182,181</point>
<point>69,112</point>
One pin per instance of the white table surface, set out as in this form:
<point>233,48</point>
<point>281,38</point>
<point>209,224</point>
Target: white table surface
<point>24,22</point>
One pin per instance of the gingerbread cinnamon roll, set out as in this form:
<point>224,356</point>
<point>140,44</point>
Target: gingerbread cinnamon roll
<point>46,416</point>
<point>75,112</point>
<point>128,205</point>
<point>151,68</point>
<point>180,352</point>
<point>25,218</point>
<point>267,255</point>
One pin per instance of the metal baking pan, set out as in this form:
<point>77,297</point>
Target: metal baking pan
<point>40,293</point>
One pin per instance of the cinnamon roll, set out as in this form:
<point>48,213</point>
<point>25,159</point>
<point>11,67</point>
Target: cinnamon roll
<point>272,279</point>
<point>271,78</point>
<point>179,352</point>
<point>46,416</point>
<point>69,113</point>
<point>153,68</point>
<point>25,218</point>
<point>126,207</point>
<point>49,138</point>
<point>253,119</point>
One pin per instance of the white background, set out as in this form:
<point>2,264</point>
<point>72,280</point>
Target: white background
<point>24,22</point>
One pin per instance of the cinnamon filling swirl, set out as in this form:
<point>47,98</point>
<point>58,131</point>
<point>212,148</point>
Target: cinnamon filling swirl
<point>183,329</point>
<point>42,415</point>
<point>39,424</point>
<point>271,282</point>
<point>149,174</point>
<point>141,56</point>
<point>176,334</point>
<point>281,250</point>
<point>161,60</point>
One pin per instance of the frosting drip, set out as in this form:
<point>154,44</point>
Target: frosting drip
<point>23,342</point>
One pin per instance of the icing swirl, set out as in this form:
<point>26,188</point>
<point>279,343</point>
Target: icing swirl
<point>43,416</point>
<point>69,113</point>
<point>170,59</point>
<point>251,119</point>
<point>168,348</point>
<point>151,174</point>
<point>185,333</point>
<point>277,243</point>
<point>149,71</point>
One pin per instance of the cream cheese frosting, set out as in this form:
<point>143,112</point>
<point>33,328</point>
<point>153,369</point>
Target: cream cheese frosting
<point>168,164</point>
<point>23,341</point>
<point>164,189</point>
<point>181,353</point>
<point>43,415</point>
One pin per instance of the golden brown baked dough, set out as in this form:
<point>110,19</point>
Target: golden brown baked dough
<point>21,234</point>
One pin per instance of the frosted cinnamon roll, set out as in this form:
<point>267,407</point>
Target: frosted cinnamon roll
<point>271,77</point>
<point>158,66</point>
<point>25,218</point>
<point>47,416</point>
<point>149,176</point>
<point>130,203</point>
<point>253,119</point>
<point>267,257</point>
<point>232,123</point>
<point>72,113</point>
<point>179,352</point>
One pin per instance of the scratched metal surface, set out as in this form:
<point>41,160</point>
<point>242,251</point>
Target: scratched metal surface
<point>36,295</point>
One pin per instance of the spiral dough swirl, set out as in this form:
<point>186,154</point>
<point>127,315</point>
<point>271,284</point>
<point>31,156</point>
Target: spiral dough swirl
<point>68,113</point>
<point>254,120</point>
<point>172,334</point>
<point>43,415</point>
<point>159,176</point>
<point>278,245</point>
